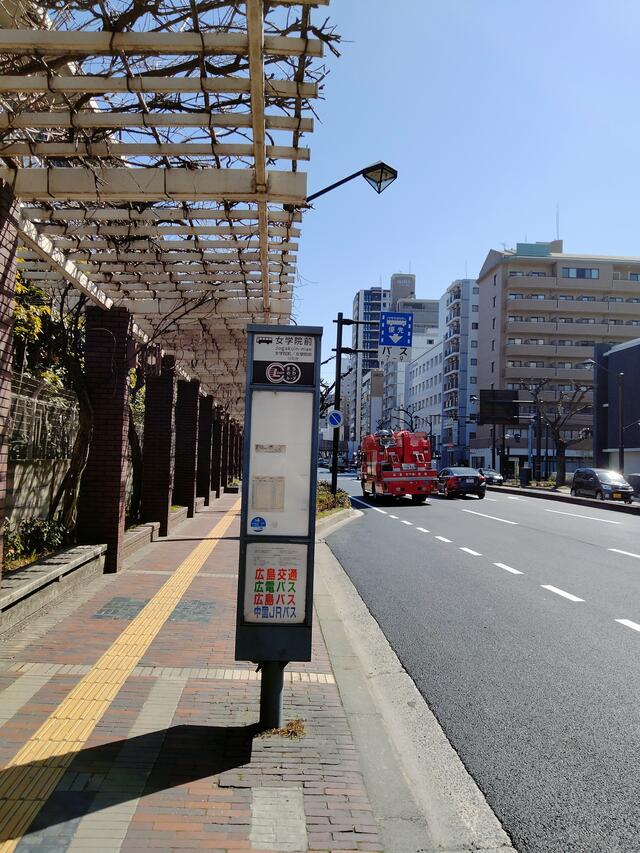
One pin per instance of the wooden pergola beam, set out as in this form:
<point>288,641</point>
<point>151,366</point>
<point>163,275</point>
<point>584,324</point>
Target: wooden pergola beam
<point>132,149</point>
<point>152,185</point>
<point>122,121</point>
<point>18,42</point>
<point>155,214</point>
<point>77,84</point>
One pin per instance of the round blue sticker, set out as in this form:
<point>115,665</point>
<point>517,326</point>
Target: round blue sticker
<point>258,523</point>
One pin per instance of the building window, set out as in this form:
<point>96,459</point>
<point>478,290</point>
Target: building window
<point>493,364</point>
<point>493,346</point>
<point>493,323</point>
<point>634,276</point>
<point>475,325</point>
<point>494,302</point>
<point>474,361</point>
<point>495,277</point>
<point>474,344</point>
<point>516,273</point>
<point>580,272</point>
<point>475,308</point>
<point>476,291</point>
<point>473,380</point>
<point>565,297</point>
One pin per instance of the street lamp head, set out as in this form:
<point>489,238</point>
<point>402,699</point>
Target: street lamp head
<point>587,364</point>
<point>379,176</point>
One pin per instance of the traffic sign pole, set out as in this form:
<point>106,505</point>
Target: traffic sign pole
<point>337,388</point>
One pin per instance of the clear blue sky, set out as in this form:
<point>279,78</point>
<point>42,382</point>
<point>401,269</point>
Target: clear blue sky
<point>491,110</point>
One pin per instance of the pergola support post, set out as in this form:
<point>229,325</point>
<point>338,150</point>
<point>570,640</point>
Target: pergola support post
<point>186,425</point>
<point>224,466</point>
<point>8,246</point>
<point>101,503</point>
<point>203,485</point>
<point>216,450</point>
<point>158,448</point>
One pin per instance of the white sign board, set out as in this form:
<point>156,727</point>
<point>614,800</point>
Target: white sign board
<point>275,583</point>
<point>279,470</point>
<point>399,354</point>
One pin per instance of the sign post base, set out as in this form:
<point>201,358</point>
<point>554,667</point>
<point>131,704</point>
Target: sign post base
<point>271,694</point>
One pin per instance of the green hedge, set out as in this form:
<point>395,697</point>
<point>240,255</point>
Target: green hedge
<point>326,501</point>
<point>31,538</point>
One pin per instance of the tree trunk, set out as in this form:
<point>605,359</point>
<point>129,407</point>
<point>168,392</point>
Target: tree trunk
<point>561,462</point>
<point>136,470</point>
<point>69,488</point>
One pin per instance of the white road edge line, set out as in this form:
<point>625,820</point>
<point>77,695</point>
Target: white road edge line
<point>472,552</point>
<point>508,568</point>
<point>587,517</point>
<point>393,516</point>
<point>561,592</point>
<point>443,539</point>
<point>626,553</point>
<point>383,511</point>
<point>629,624</point>
<point>494,517</point>
<point>422,529</point>
<point>410,523</point>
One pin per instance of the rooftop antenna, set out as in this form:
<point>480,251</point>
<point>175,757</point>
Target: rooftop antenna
<point>557,220</point>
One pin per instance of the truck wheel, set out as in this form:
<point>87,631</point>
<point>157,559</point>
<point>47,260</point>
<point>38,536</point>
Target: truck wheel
<point>418,499</point>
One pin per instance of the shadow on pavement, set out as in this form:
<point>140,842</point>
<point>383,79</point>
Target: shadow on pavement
<point>117,772</point>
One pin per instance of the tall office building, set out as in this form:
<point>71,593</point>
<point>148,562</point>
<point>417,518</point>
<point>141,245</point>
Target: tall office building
<point>541,312</point>
<point>424,392</point>
<point>367,305</point>
<point>460,304</point>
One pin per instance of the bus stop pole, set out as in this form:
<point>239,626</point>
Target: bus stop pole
<point>271,694</point>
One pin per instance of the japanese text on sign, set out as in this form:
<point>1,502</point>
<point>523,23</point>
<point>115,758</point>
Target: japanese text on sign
<point>286,348</point>
<point>275,584</point>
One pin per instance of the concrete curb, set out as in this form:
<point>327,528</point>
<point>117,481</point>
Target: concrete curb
<point>613,506</point>
<point>422,795</point>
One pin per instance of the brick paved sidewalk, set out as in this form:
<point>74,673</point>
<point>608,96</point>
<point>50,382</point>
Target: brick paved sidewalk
<point>126,724</point>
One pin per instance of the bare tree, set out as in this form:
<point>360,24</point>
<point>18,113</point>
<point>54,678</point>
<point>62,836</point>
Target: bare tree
<point>559,416</point>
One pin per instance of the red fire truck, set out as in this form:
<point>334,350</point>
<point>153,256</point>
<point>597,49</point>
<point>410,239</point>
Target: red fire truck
<point>396,464</point>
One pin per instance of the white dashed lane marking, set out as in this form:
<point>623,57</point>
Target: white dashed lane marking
<point>422,529</point>
<point>393,516</point>
<point>493,517</point>
<point>561,592</point>
<point>383,511</point>
<point>586,517</point>
<point>443,539</point>
<point>508,568</point>
<point>629,624</point>
<point>410,523</point>
<point>472,552</point>
<point>626,553</point>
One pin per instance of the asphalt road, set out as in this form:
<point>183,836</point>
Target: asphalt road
<point>519,621</point>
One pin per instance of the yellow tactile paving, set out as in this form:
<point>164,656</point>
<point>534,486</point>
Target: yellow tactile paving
<point>24,788</point>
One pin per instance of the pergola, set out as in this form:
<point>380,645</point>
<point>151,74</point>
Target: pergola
<point>154,147</point>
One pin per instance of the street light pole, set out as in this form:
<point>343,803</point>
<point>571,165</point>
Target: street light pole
<point>336,404</point>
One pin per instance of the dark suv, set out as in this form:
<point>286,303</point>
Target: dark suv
<point>602,484</point>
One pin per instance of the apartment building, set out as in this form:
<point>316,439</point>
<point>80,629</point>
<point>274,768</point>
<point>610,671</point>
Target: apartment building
<point>461,329</point>
<point>367,305</point>
<point>541,313</point>
<point>424,392</point>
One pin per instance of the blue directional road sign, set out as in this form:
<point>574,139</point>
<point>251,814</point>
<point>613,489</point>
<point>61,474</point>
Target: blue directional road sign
<point>335,418</point>
<point>396,329</point>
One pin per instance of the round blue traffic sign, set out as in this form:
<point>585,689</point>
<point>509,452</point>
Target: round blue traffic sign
<point>258,524</point>
<point>335,418</point>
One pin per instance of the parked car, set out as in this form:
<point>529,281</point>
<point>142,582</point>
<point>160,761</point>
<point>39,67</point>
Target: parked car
<point>461,481</point>
<point>492,477</point>
<point>602,484</point>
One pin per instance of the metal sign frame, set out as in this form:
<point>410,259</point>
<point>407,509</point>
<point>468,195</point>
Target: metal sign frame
<point>278,642</point>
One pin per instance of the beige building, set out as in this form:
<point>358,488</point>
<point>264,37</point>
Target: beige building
<point>541,312</point>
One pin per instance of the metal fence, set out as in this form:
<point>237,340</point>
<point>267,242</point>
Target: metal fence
<point>44,421</point>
